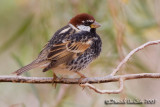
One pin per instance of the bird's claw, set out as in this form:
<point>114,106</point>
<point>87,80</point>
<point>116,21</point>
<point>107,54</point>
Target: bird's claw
<point>80,81</point>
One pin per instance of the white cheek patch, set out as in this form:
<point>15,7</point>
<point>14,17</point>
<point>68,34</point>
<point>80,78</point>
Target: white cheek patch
<point>84,28</point>
<point>65,30</point>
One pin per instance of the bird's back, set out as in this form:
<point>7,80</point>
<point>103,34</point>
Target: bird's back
<point>57,38</point>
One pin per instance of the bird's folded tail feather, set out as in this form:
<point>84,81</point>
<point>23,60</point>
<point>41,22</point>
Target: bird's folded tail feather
<point>29,67</point>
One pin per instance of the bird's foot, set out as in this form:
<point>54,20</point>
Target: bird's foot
<point>81,77</point>
<point>80,81</point>
<point>54,79</point>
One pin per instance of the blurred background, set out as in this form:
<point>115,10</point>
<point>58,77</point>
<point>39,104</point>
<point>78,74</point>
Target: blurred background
<point>26,26</point>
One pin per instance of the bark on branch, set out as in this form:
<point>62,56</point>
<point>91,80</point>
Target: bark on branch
<point>93,80</point>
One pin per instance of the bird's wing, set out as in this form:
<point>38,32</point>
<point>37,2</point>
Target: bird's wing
<point>67,49</point>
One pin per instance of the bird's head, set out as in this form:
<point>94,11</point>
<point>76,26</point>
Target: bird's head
<point>84,22</point>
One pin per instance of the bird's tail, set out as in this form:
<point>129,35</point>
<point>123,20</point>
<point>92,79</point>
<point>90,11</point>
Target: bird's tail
<point>29,67</point>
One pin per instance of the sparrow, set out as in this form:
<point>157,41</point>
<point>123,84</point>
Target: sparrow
<point>70,49</point>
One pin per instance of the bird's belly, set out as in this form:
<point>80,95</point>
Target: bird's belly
<point>74,66</point>
<point>63,71</point>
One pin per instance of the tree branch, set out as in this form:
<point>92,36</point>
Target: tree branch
<point>93,80</point>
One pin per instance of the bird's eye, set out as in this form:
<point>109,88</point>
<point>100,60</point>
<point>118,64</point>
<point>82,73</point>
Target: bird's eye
<point>86,23</point>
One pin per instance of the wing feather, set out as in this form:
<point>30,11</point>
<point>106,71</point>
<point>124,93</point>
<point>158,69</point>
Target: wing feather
<point>77,47</point>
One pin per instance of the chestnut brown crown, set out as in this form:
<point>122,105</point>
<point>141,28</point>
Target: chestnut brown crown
<point>82,19</point>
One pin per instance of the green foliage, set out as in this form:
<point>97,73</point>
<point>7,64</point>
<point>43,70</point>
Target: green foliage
<point>17,34</point>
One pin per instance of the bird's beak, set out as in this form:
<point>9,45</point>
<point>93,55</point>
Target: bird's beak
<point>95,25</point>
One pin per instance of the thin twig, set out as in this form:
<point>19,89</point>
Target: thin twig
<point>132,52</point>
<point>121,83</point>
